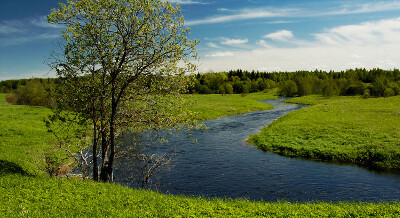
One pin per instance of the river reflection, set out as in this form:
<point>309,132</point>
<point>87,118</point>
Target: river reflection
<point>220,164</point>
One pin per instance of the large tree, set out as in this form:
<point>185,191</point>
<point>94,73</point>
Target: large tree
<point>120,59</point>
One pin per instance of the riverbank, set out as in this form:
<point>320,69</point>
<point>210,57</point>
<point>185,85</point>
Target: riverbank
<point>214,105</point>
<point>25,190</point>
<point>349,130</point>
<point>39,196</point>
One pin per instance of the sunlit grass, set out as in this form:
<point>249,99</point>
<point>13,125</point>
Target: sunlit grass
<point>25,191</point>
<point>44,197</point>
<point>340,129</point>
<point>24,137</point>
<point>215,105</point>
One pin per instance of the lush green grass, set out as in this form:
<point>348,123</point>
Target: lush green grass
<point>24,138</point>
<point>340,129</point>
<point>214,106</point>
<point>44,197</point>
<point>25,191</point>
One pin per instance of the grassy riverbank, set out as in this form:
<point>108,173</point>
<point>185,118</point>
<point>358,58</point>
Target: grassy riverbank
<point>26,191</point>
<point>38,197</point>
<point>214,105</point>
<point>340,129</point>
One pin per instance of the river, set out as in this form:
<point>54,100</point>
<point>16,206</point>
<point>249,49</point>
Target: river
<point>221,164</point>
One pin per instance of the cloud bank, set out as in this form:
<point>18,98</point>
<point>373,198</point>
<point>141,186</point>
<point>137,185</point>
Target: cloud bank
<point>366,45</point>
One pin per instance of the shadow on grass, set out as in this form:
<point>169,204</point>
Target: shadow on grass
<point>7,167</point>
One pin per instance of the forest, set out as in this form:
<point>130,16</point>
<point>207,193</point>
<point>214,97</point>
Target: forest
<point>374,82</point>
<point>367,83</point>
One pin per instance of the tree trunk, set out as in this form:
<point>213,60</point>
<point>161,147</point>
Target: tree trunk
<point>95,164</point>
<point>107,171</point>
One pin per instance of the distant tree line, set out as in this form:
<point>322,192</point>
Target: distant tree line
<point>368,83</point>
<point>35,92</point>
<point>374,82</point>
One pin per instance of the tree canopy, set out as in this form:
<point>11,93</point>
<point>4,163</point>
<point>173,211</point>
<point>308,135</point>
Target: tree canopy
<point>119,57</point>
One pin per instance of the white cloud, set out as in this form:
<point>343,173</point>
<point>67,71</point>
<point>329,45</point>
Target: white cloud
<point>280,22</point>
<point>366,45</point>
<point>282,35</point>
<point>365,8</point>
<point>377,33</point>
<point>186,2</point>
<point>42,22</point>
<point>243,14</point>
<point>221,54</point>
<point>247,14</point>
<point>227,41</point>
<point>212,45</point>
<point>263,43</point>
<point>11,27</point>
<point>16,32</point>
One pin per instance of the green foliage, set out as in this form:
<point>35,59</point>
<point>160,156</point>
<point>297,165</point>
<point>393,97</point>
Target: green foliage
<point>339,129</point>
<point>349,82</point>
<point>9,86</point>
<point>388,92</point>
<point>289,88</point>
<point>35,92</point>
<point>120,58</point>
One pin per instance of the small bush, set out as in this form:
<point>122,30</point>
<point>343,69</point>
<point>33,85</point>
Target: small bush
<point>10,99</point>
<point>388,92</point>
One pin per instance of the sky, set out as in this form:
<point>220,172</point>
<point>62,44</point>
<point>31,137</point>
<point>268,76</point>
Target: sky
<point>261,35</point>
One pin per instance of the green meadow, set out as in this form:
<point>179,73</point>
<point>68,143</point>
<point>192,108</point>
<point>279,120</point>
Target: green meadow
<point>349,130</point>
<point>215,105</point>
<point>26,190</point>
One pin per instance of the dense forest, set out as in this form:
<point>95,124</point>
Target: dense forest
<point>375,82</point>
<point>368,83</point>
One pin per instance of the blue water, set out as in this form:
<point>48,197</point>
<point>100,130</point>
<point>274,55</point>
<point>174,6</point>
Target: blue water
<point>220,164</point>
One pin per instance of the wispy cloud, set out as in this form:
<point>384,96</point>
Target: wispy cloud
<point>220,54</point>
<point>11,27</point>
<point>282,35</point>
<point>251,13</point>
<point>42,22</point>
<point>227,41</point>
<point>16,32</point>
<point>280,22</point>
<point>243,14</point>
<point>186,2</point>
<point>365,8</point>
<point>212,45</point>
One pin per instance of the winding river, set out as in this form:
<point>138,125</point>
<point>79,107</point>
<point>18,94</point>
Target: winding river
<point>221,164</point>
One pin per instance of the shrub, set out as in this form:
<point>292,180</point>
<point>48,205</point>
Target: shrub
<point>10,99</point>
<point>388,92</point>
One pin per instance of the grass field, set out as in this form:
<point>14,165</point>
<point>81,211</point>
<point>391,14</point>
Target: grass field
<point>44,197</point>
<point>24,138</point>
<point>214,106</point>
<point>26,191</point>
<point>340,129</point>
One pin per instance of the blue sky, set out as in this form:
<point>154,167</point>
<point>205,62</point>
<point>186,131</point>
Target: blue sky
<point>264,35</point>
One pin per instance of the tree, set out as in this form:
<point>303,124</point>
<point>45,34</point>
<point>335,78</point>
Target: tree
<point>289,88</point>
<point>119,57</point>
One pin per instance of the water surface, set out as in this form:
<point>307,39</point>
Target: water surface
<point>220,164</point>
